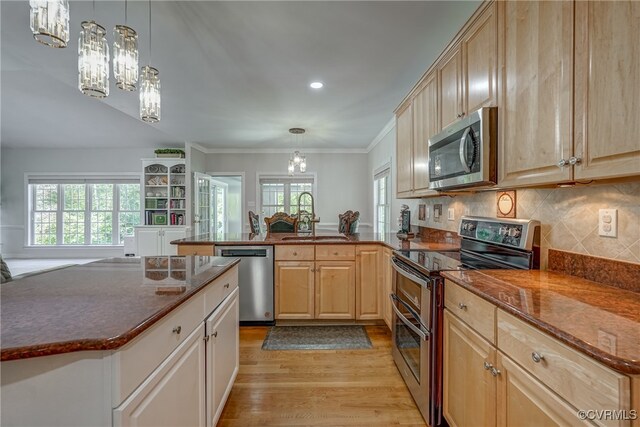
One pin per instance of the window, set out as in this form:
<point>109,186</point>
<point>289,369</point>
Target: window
<point>82,212</point>
<point>281,195</point>
<point>382,202</point>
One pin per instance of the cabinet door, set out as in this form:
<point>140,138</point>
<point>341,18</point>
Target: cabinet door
<point>480,61</point>
<point>223,355</point>
<point>169,235</point>
<point>469,388</point>
<point>536,51</point>
<point>174,394</point>
<point>148,241</point>
<point>368,282</point>
<point>524,401</point>
<point>404,141</point>
<point>450,87</point>
<point>294,290</point>
<point>335,290</point>
<point>425,125</point>
<point>607,89</point>
<point>387,285</point>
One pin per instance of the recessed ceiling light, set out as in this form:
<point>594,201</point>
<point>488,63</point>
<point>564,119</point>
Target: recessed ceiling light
<point>316,85</point>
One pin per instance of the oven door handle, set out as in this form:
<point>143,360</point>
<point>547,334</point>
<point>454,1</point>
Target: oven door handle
<point>422,333</point>
<point>397,267</point>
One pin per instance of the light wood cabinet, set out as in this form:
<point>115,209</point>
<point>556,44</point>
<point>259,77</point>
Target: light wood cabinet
<point>368,282</point>
<point>387,285</point>
<point>480,61</point>
<point>449,71</point>
<point>294,289</point>
<point>404,148</point>
<point>536,56</point>
<point>335,290</point>
<point>425,125</point>
<point>607,89</point>
<point>469,388</point>
<point>524,401</point>
<point>199,250</point>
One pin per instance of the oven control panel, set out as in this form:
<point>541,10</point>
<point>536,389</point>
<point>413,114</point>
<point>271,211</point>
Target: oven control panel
<point>512,233</point>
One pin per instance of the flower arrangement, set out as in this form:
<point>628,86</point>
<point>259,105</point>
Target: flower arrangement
<point>170,153</point>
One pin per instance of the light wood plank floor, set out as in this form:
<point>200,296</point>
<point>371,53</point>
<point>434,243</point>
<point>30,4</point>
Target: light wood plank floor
<point>323,387</point>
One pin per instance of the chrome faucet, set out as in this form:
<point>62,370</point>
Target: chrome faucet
<point>313,219</point>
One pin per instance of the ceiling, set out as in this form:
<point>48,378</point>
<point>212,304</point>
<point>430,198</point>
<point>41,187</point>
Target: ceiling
<point>234,75</point>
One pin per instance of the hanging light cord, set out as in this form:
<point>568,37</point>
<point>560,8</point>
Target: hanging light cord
<point>149,32</point>
<point>125,12</point>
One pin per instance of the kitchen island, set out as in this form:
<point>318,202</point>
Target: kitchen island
<point>120,342</point>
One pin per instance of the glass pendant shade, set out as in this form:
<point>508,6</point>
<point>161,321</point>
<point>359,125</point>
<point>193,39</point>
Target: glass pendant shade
<point>93,60</point>
<point>49,22</point>
<point>125,57</point>
<point>291,167</point>
<point>303,164</point>
<point>149,94</point>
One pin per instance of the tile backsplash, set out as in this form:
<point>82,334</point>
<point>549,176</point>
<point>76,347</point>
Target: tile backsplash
<point>569,217</point>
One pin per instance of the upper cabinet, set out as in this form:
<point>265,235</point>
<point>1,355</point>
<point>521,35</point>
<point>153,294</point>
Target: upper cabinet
<point>425,124</point>
<point>536,49</point>
<point>607,89</point>
<point>404,152</point>
<point>450,80</point>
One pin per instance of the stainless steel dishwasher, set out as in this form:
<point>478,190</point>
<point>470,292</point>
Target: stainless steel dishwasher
<point>255,281</point>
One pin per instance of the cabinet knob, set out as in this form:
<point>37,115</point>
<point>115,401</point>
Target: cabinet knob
<point>487,365</point>
<point>335,253</point>
<point>562,163</point>
<point>462,306</point>
<point>537,357</point>
<point>295,253</point>
<point>177,329</point>
<point>226,286</point>
<point>195,253</point>
<point>575,160</point>
<point>495,372</point>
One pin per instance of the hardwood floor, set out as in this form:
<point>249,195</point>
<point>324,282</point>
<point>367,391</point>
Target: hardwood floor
<point>323,387</point>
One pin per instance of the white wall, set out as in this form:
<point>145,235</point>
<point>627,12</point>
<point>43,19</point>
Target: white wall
<point>17,162</point>
<point>342,181</point>
<point>385,152</point>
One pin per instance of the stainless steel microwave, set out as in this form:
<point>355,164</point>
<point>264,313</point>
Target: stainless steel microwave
<point>464,153</point>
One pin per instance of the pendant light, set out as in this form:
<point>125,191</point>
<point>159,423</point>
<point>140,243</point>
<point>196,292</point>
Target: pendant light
<point>297,160</point>
<point>93,59</point>
<point>125,55</point>
<point>150,88</point>
<point>49,21</point>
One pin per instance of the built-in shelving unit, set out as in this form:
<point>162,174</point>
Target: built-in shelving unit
<point>165,194</point>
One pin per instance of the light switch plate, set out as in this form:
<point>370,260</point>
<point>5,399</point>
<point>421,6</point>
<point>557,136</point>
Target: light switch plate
<point>608,222</point>
<point>451,214</point>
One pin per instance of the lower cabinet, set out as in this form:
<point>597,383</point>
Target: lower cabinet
<point>387,285</point>
<point>174,394</point>
<point>294,289</point>
<point>335,290</point>
<point>153,241</point>
<point>222,337</point>
<point>368,282</point>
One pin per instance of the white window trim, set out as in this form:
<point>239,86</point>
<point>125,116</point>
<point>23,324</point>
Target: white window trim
<point>26,214</point>
<point>384,169</point>
<point>266,175</point>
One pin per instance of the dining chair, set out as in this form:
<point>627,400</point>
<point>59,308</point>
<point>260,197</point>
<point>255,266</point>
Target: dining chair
<point>254,222</point>
<point>348,222</point>
<point>281,222</point>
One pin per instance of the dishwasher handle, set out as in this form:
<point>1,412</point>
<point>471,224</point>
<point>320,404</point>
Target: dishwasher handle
<point>262,253</point>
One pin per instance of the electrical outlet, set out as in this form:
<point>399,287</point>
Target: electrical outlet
<point>437,212</point>
<point>608,222</point>
<point>451,214</point>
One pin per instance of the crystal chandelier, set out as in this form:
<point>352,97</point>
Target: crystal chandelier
<point>297,160</point>
<point>49,22</point>
<point>93,60</point>
<point>150,88</point>
<point>125,55</point>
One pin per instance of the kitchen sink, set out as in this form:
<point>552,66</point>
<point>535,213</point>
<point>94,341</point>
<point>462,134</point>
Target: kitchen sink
<point>315,238</point>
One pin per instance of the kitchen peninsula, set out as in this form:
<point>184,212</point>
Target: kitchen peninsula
<point>121,342</point>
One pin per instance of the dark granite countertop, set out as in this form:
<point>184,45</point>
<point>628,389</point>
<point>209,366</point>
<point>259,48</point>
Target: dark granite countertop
<point>388,239</point>
<point>97,306</point>
<point>599,320</point>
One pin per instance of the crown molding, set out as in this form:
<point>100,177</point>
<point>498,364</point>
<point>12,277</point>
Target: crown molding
<point>391,124</point>
<point>279,150</point>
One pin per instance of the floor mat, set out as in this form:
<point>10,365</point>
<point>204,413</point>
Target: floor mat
<point>351,337</point>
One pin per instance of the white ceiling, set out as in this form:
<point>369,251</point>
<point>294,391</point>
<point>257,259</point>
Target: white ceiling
<point>234,74</point>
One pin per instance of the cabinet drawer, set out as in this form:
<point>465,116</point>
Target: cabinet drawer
<point>136,360</point>
<point>201,250</point>
<point>295,253</point>
<point>478,313</point>
<point>222,287</point>
<point>335,252</point>
<point>582,381</point>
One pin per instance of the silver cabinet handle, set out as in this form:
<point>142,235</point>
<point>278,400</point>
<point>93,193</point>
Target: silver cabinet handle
<point>226,286</point>
<point>487,365</point>
<point>177,329</point>
<point>562,163</point>
<point>462,306</point>
<point>537,357</point>
<point>575,160</point>
<point>215,334</point>
<point>495,372</point>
